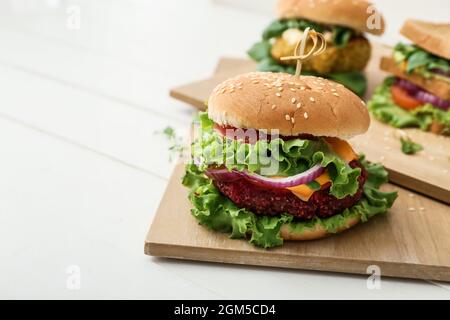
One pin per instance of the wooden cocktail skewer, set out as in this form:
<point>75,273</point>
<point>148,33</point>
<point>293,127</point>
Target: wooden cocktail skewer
<point>319,46</point>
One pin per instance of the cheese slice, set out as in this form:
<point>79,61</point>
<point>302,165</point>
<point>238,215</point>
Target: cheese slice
<point>342,148</point>
<point>344,151</point>
<point>323,179</point>
<point>304,192</point>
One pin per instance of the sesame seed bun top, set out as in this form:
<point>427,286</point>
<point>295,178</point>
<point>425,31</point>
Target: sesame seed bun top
<point>293,105</point>
<point>356,14</point>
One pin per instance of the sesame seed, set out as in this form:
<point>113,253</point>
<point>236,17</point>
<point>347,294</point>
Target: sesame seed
<point>278,94</point>
<point>292,120</point>
<point>302,88</point>
<point>280,89</point>
<point>363,103</point>
<point>422,209</point>
<point>412,209</point>
<point>333,90</point>
<point>411,195</point>
<point>292,89</point>
<point>305,115</point>
<point>299,105</point>
<point>231,90</point>
<point>288,117</point>
<point>402,133</point>
<point>293,100</point>
<point>255,81</point>
<point>319,88</point>
<point>223,90</point>
<point>312,99</point>
<point>337,95</point>
<point>274,107</point>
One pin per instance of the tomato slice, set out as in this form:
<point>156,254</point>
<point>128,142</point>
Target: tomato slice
<point>402,98</point>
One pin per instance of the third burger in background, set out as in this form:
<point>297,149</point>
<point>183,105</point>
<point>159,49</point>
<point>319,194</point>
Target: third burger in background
<point>343,23</point>
<point>419,93</point>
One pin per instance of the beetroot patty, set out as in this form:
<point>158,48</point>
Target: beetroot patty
<point>275,202</point>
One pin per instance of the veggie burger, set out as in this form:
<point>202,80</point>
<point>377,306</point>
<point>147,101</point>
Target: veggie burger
<point>271,161</point>
<point>418,95</point>
<point>343,22</point>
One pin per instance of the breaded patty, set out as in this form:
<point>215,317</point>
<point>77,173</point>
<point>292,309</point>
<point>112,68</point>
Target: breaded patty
<point>353,57</point>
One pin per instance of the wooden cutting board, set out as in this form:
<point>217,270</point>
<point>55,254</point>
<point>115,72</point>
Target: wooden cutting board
<point>411,241</point>
<point>427,172</point>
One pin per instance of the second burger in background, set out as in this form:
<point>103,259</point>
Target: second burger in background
<point>419,93</point>
<point>343,22</point>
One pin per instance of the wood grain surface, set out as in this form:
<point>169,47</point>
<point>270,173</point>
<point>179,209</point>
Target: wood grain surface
<point>427,172</point>
<point>411,241</point>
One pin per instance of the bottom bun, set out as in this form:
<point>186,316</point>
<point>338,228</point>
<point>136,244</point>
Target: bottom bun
<point>317,232</point>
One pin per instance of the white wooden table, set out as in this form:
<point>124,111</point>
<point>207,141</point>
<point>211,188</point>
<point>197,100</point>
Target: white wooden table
<point>82,170</point>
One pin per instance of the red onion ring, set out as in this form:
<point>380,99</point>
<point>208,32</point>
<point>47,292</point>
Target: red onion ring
<point>427,97</point>
<point>223,175</point>
<point>276,183</point>
<point>406,85</point>
<point>441,72</point>
<point>422,95</point>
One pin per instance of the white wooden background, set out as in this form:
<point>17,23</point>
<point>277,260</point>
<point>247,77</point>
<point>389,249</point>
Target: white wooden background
<point>82,171</point>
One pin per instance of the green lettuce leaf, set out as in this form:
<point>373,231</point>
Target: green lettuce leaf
<point>355,81</point>
<point>265,232</point>
<point>291,157</point>
<point>275,29</point>
<point>377,175</point>
<point>269,64</point>
<point>409,146</point>
<point>428,113</point>
<point>342,36</point>
<point>217,212</point>
<point>260,51</point>
<point>314,185</point>
<point>416,60</point>
<point>420,61</point>
<point>384,109</point>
